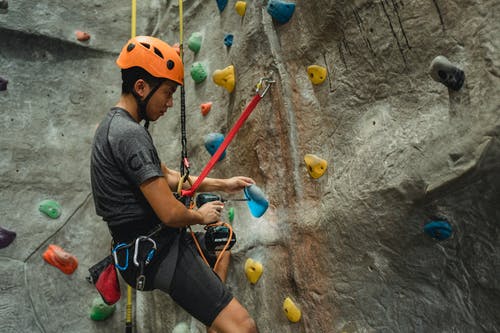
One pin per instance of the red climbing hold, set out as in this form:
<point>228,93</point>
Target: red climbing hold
<point>205,108</point>
<point>59,258</point>
<point>82,36</point>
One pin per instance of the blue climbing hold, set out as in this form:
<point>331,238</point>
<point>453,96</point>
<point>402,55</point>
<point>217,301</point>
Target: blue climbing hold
<point>213,142</point>
<point>439,230</point>
<point>257,201</point>
<point>221,4</point>
<point>228,40</point>
<point>281,11</point>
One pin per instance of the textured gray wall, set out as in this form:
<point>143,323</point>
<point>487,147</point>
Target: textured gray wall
<point>347,247</point>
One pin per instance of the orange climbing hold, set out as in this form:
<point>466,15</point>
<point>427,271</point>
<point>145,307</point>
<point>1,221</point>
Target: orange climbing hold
<point>61,259</point>
<point>82,36</point>
<point>205,108</point>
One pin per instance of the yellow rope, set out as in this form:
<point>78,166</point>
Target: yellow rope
<point>133,18</point>
<point>128,308</point>
<point>181,29</point>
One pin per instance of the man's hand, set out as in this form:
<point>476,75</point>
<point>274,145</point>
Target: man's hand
<point>236,184</point>
<point>211,211</point>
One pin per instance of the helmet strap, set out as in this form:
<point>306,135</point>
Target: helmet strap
<point>143,103</point>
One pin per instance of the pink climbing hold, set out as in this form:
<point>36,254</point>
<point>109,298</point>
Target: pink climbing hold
<point>205,108</point>
<point>82,36</point>
<point>61,259</point>
<point>177,48</point>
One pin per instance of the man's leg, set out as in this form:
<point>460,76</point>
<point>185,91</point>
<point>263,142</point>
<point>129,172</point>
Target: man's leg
<point>221,269</point>
<point>234,318</point>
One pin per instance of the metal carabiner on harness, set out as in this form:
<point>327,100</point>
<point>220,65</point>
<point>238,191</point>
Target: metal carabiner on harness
<point>141,278</point>
<point>121,246</point>
<point>264,84</point>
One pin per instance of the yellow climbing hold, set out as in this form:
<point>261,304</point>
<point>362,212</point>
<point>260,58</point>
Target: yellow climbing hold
<point>253,270</point>
<point>315,165</point>
<point>317,74</point>
<point>241,7</point>
<point>225,78</point>
<point>291,310</point>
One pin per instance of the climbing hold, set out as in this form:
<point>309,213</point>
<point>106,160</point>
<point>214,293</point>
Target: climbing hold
<point>4,4</point>
<point>291,310</point>
<point>241,7</point>
<point>438,229</point>
<point>181,328</point>
<point>281,11</point>
<point>194,42</point>
<point>205,108</point>
<point>61,259</point>
<point>100,310</point>
<point>257,202</point>
<point>3,84</point>
<point>198,72</point>
<point>253,270</point>
<point>228,40</point>
<point>443,71</point>
<point>317,74</point>
<point>6,237</point>
<point>82,36</point>
<point>212,143</point>
<point>221,4</point>
<point>230,214</point>
<point>315,165</point>
<point>51,208</point>
<point>177,48</point>
<point>225,78</point>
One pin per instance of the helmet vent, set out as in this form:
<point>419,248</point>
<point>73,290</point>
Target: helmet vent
<point>146,45</point>
<point>130,47</point>
<point>158,53</point>
<point>170,64</point>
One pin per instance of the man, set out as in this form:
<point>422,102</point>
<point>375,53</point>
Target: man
<point>132,192</point>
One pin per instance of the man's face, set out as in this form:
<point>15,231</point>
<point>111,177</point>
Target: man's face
<point>161,100</point>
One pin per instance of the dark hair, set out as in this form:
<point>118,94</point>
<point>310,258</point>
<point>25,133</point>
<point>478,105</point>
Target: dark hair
<point>131,75</point>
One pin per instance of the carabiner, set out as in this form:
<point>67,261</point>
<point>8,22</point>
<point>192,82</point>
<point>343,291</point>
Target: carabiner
<point>267,81</point>
<point>150,253</point>
<point>115,257</point>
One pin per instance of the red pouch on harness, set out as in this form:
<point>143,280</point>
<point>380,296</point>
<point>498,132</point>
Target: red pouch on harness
<point>103,276</point>
<point>108,286</point>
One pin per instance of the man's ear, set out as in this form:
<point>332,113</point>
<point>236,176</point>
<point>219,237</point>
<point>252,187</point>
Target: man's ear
<point>141,87</point>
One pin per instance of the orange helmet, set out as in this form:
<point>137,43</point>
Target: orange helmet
<point>154,56</point>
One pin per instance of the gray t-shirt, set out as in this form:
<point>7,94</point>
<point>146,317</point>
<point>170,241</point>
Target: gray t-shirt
<point>123,157</point>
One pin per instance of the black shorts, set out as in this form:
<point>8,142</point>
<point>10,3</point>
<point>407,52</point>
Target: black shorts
<point>195,286</point>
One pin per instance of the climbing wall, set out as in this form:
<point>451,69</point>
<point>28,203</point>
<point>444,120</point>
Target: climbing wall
<point>358,155</point>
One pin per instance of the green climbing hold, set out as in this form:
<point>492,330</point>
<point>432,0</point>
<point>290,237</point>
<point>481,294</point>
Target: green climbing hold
<point>194,42</point>
<point>100,310</point>
<point>230,214</point>
<point>198,72</point>
<point>51,208</point>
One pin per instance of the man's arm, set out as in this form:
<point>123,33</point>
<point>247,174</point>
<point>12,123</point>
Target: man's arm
<point>229,185</point>
<point>173,213</point>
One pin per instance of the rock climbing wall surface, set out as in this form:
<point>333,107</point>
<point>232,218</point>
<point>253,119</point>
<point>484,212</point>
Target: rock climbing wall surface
<point>356,146</point>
